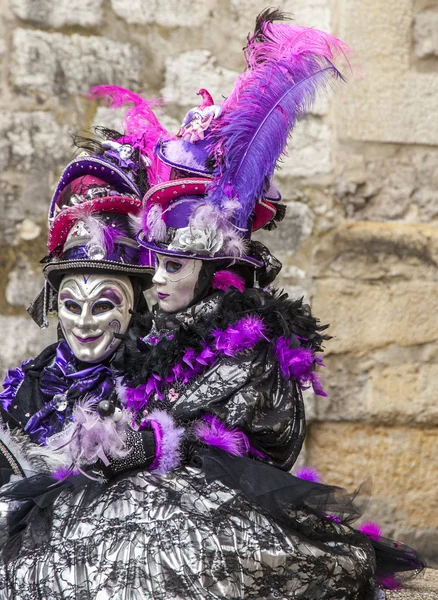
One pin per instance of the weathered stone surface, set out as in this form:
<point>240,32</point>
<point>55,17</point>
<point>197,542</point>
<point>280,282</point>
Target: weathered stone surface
<point>189,71</point>
<point>23,340</point>
<point>310,13</point>
<point>293,231</point>
<point>378,251</point>
<point>385,183</point>
<point>56,64</point>
<point>423,587</point>
<point>401,460</point>
<point>389,386</point>
<point>365,316</point>
<point>61,13</point>
<point>426,34</point>
<point>381,32</point>
<point>32,140</point>
<point>309,150</point>
<point>23,284</point>
<point>166,13</point>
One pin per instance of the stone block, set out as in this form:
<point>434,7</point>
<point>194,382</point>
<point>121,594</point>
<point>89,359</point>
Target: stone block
<point>33,140</point>
<point>363,316</point>
<point>165,13</point>
<point>392,386</point>
<point>309,151</point>
<point>426,34</point>
<point>308,13</point>
<point>292,231</point>
<point>56,64</point>
<point>23,284</point>
<point>393,103</point>
<point>187,72</point>
<point>378,251</point>
<point>401,461</point>
<point>47,13</point>
<point>22,339</point>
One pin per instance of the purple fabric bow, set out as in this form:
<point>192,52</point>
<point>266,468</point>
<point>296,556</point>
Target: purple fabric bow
<point>61,383</point>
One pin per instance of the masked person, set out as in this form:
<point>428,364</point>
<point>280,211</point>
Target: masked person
<point>212,386</point>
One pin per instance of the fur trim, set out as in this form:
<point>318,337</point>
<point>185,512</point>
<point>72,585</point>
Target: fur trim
<point>31,457</point>
<point>168,440</point>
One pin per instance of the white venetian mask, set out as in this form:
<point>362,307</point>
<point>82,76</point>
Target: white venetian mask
<point>91,309</point>
<point>175,281</point>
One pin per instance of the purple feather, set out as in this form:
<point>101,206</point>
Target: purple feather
<point>110,237</point>
<point>371,529</point>
<point>90,437</point>
<point>253,134</point>
<point>308,473</point>
<point>212,432</point>
<point>299,364</point>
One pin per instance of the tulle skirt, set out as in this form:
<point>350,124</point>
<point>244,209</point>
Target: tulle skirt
<point>185,535</point>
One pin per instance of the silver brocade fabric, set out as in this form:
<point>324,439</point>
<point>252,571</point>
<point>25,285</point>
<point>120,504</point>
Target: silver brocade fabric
<point>175,537</point>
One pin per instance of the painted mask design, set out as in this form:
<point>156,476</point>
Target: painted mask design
<point>91,309</point>
<point>175,280</point>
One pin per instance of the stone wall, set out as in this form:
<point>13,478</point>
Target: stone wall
<point>361,181</point>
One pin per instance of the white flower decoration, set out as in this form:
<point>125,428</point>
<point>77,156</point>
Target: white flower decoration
<point>205,240</point>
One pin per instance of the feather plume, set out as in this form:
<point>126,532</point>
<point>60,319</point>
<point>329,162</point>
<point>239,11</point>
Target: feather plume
<point>253,134</point>
<point>142,128</point>
<point>287,65</point>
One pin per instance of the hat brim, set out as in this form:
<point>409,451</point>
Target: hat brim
<point>65,220</point>
<point>157,249</point>
<point>54,272</point>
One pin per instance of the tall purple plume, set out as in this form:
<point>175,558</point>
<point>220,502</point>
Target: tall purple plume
<point>280,86</point>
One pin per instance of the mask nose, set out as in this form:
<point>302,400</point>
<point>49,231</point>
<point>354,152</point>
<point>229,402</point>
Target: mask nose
<point>86,320</point>
<point>159,278</point>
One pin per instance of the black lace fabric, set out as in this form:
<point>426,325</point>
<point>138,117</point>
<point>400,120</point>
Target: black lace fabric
<point>180,537</point>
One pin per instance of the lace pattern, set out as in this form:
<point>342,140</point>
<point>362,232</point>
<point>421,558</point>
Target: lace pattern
<point>177,537</point>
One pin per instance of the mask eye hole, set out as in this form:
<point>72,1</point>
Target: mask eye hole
<point>102,306</point>
<point>73,307</point>
<point>173,266</point>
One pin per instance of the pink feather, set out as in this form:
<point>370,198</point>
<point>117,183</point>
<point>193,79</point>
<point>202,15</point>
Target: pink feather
<point>371,529</point>
<point>142,128</point>
<point>224,280</point>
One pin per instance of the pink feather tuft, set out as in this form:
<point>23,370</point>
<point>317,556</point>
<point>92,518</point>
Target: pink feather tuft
<point>212,432</point>
<point>308,473</point>
<point>224,280</point>
<point>371,529</point>
<point>142,128</point>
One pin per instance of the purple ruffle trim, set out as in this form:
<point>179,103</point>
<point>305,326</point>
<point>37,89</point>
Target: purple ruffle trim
<point>245,334</point>
<point>14,378</point>
<point>298,363</point>
<point>168,439</point>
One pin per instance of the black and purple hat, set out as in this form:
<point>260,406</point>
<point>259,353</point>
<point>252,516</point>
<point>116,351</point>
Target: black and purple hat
<point>90,220</point>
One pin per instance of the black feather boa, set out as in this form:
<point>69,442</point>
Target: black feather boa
<point>137,361</point>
